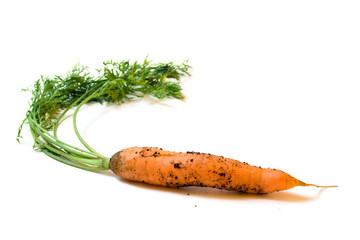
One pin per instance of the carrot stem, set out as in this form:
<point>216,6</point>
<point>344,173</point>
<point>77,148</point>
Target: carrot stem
<point>76,129</point>
<point>60,118</point>
<point>53,140</point>
<point>64,152</point>
<point>117,82</point>
<point>74,164</point>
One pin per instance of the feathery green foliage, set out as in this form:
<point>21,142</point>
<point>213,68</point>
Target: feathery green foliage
<point>117,82</point>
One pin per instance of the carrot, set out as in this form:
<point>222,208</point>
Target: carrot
<point>172,169</point>
<point>118,82</point>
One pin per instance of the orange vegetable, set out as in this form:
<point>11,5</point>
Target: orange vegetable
<point>118,82</point>
<point>173,169</point>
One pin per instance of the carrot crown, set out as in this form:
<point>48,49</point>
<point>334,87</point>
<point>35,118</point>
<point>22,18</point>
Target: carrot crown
<point>116,82</point>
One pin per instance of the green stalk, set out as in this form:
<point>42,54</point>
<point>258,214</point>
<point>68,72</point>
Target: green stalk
<point>53,140</point>
<point>118,82</point>
<point>74,164</point>
<point>56,148</point>
<point>76,129</point>
<point>60,118</point>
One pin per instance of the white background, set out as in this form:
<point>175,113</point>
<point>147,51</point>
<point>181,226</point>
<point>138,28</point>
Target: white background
<point>274,83</point>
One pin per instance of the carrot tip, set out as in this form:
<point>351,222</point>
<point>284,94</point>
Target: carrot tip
<point>313,185</point>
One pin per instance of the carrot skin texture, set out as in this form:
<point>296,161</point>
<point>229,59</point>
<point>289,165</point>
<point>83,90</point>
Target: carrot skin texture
<point>173,169</point>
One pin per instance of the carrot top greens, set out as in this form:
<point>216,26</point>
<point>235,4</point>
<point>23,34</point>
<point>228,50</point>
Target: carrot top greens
<point>117,82</point>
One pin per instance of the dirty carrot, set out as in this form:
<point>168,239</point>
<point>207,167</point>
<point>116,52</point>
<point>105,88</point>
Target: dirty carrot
<point>118,82</point>
<point>173,169</point>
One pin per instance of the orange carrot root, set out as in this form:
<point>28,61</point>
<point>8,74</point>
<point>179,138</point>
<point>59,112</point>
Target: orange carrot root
<point>173,169</point>
<point>313,185</point>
